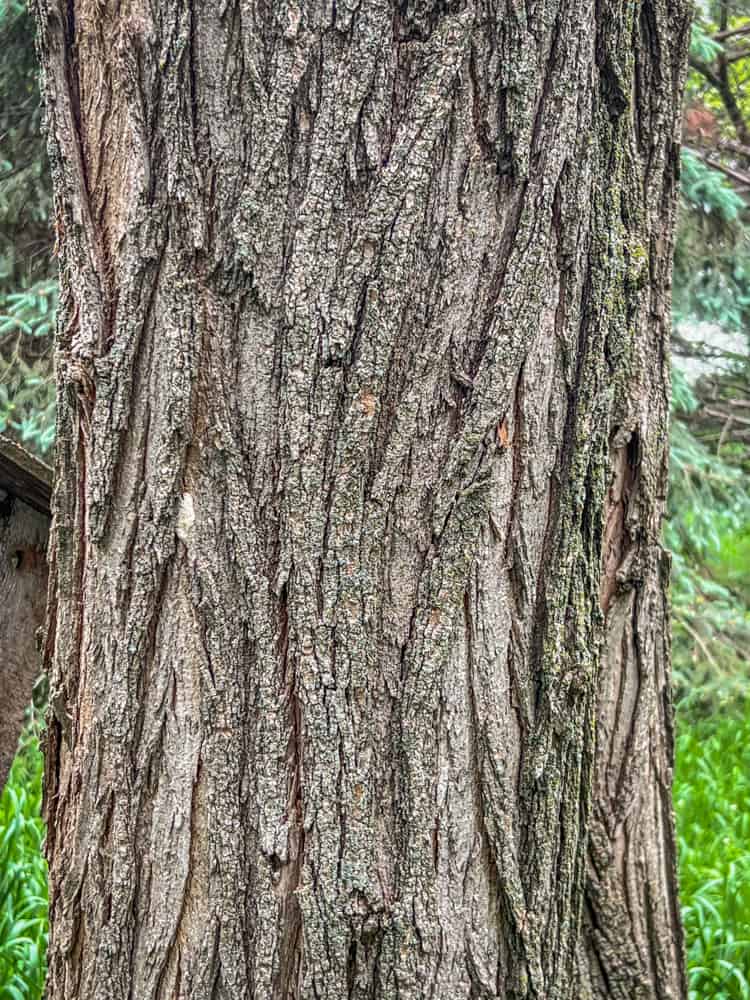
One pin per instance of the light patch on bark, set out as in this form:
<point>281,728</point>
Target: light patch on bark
<point>185,519</point>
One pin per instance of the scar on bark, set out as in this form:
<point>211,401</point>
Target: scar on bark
<point>616,540</point>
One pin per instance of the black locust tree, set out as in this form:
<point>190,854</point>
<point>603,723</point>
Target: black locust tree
<point>358,631</point>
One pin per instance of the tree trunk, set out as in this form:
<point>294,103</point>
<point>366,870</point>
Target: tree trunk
<point>24,526</point>
<point>361,448</point>
<point>23,593</point>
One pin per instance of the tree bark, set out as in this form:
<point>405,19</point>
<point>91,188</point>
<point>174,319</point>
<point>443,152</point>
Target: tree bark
<point>24,526</point>
<point>361,465</point>
<point>23,594</point>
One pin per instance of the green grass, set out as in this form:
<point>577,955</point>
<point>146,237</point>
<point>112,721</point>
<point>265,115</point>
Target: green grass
<point>23,880</point>
<point>712,799</point>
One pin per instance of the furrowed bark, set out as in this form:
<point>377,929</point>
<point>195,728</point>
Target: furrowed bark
<point>361,304</point>
<point>633,945</point>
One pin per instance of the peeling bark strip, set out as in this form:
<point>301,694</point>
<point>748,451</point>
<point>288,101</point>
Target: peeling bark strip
<point>24,525</point>
<point>361,303</point>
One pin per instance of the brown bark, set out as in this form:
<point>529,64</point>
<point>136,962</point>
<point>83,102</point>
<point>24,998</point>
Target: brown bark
<point>24,526</point>
<point>23,593</point>
<point>360,304</point>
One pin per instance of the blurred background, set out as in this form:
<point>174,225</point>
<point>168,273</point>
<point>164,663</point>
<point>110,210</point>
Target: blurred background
<point>707,529</point>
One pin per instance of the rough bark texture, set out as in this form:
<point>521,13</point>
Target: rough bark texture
<point>361,464</point>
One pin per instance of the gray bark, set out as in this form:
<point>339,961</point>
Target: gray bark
<point>358,646</point>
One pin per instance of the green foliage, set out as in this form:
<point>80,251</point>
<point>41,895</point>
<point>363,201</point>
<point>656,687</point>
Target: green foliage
<point>707,191</point>
<point>23,879</point>
<point>712,800</point>
<point>25,198</point>
<point>702,46</point>
<point>27,391</point>
<point>709,498</point>
<point>28,290</point>
<point>712,255</point>
<point>727,17</point>
<point>708,518</point>
<point>712,260</point>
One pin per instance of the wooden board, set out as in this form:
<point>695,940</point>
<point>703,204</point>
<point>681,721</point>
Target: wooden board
<point>24,526</point>
<point>24,476</point>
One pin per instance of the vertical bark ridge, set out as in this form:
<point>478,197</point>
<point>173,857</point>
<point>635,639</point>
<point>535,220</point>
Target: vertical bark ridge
<point>351,305</point>
<point>632,931</point>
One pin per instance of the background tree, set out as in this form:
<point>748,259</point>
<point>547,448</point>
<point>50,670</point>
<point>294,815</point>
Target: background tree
<point>709,500</point>
<point>709,507</point>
